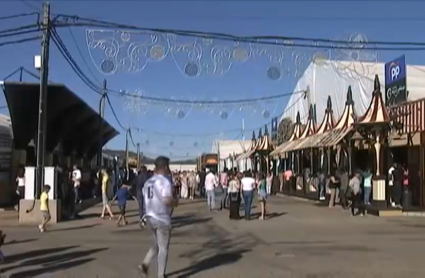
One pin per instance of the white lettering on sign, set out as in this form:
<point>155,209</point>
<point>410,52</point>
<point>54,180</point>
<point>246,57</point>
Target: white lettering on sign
<point>393,92</point>
<point>395,71</point>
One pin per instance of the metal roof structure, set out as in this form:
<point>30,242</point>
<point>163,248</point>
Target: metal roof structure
<point>71,122</point>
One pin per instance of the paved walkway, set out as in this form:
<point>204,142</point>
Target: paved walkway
<point>302,239</point>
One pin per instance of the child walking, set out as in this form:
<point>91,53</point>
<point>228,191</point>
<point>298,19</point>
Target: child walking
<point>44,208</point>
<point>122,195</point>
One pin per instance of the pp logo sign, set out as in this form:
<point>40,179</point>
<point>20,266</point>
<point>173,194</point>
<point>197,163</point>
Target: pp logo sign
<point>394,71</point>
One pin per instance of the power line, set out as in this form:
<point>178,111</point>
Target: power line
<point>234,101</point>
<point>74,66</point>
<point>114,114</point>
<point>131,138</point>
<point>20,41</point>
<point>31,5</point>
<point>82,56</point>
<point>185,134</point>
<point>278,40</point>
<point>17,16</point>
<point>21,28</point>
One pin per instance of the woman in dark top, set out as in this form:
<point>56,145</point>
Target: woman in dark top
<point>234,192</point>
<point>333,187</point>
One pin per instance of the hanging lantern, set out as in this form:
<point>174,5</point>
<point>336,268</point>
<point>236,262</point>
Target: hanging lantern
<point>266,113</point>
<point>224,115</point>
<point>180,114</point>
<point>274,73</point>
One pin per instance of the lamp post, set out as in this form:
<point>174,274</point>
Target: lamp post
<point>101,116</point>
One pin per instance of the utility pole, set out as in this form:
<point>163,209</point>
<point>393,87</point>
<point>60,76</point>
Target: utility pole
<point>42,102</point>
<point>101,116</point>
<point>126,153</point>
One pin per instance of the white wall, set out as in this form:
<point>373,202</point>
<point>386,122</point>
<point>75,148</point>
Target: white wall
<point>175,167</point>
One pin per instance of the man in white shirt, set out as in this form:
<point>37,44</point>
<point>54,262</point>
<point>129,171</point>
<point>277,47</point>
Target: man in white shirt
<point>159,201</point>
<point>76,179</point>
<point>211,183</point>
<point>391,183</point>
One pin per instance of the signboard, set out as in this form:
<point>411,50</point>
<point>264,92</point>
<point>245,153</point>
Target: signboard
<point>395,81</point>
<point>274,128</point>
<point>211,161</point>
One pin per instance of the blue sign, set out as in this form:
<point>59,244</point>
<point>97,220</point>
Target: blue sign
<point>395,81</point>
<point>395,70</point>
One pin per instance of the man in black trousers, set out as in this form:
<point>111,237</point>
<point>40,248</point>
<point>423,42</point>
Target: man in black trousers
<point>138,183</point>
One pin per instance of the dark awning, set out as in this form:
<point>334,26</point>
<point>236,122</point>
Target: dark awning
<point>69,119</point>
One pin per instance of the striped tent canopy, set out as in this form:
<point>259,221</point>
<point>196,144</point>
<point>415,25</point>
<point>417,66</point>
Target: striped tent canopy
<point>250,151</point>
<point>265,144</point>
<point>328,121</point>
<point>342,127</point>
<point>309,130</point>
<point>377,112</point>
<point>327,125</point>
<point>297,129</point>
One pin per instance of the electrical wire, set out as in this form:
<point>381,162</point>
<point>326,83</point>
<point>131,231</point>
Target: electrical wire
<point>20,41</point>
<point>238,101</point>
<point>280,115</point>
<point>74,66</point>
<point>131,138</point>
<point>17,16</point>
<point>185,134</point>
<point>115,115</point>
<point>31,6</point>
<point>82,56</point>
<point>21,28</point>
<point>286,40</point>
<point>19,33</point>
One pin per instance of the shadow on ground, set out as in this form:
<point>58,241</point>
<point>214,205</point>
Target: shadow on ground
<point>269,215</point>
<point>20,241</point>
<point>222,249</point>
<point>36,253</point>
<point>52,268</point>
<point>50,263</point>
<point>187,220</point>
<point>75,228</point>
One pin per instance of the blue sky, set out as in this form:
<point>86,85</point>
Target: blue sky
<point>378,20</point>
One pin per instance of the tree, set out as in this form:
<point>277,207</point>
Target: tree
<point>285,130</point>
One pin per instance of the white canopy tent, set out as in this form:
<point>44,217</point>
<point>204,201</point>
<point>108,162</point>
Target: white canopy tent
<point>227,148</point>
<point>333,78</point>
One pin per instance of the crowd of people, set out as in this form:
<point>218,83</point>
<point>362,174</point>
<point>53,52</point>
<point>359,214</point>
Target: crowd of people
<point>353,191</point>
<point>225,190</point>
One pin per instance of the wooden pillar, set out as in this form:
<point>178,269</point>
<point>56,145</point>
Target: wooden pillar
<point>379,179</point>
<point>350,157</point>
<point>328,152</point>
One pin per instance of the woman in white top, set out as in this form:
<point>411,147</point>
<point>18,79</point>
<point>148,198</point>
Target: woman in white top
<point>248,186</point>
<point>20,185</point>
<point>185,187</point>
<point>269,182</point>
